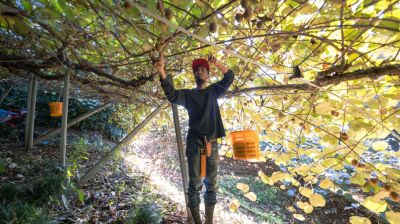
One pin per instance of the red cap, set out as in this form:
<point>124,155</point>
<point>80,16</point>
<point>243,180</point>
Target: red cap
<point>200,62</point>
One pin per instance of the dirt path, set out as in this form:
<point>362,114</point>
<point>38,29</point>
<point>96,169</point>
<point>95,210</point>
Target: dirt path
<point>156,155</point>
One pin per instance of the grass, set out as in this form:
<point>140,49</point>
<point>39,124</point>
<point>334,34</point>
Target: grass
<point>21,204</point>
<point>145,214</point>
<point>9,192</point>
<point>270,200</point>
<point>3,168</point>
<point>50,186</point>
<point>19,212</point>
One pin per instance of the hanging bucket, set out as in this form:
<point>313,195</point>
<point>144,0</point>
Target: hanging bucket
<point>56,109</point>
<point>246,145</point>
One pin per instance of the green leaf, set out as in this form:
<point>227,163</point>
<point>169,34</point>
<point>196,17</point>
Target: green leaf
<point>151,4</point>
<point>27,5</point>
<point>21,27</point>
<point>56,5</point>
<point>81,196</point>
<point>392,23</point>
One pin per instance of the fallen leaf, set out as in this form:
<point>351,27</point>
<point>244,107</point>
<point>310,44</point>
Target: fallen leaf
<point>251,196</point>
<point>359,220</point>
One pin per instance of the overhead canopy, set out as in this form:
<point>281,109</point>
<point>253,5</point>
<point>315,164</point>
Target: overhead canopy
<point>106,43</point>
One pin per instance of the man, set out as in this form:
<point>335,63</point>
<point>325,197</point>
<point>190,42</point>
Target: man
<point>205,127</point>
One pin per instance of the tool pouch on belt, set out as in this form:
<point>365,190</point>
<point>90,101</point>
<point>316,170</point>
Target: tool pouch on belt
<point>205,152</point>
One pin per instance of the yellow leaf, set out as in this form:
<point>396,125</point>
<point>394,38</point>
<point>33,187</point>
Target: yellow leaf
<point>393,173</point>
<point>243,187</point>
<point>251,196</point>
<point>323,108</point>
<point>381,195</point>
<point>311,179</point>
<point>234,205</point>
<point>291,209</point>
<point>229,154</point>
<point>302,170</point>
<point>358,179</point>
<point>146,47</point>
<point>359,220</point>
<point>317,200</point>
<point>375,205</point>
<point>393,217</point>
<point>380,145</point>
<point>307,207</point>
<point>326,184</point>
<point>299,217</point>
<point>305,191</point>
<point>277,176</point>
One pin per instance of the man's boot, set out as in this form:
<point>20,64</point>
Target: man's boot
<point>209,214</point>
<point>196,214</point>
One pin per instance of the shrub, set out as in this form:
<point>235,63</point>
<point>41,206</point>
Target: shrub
<point>145,214</point>
<point>9,192</point>
<point>19,212</point>
<point>50,186</point>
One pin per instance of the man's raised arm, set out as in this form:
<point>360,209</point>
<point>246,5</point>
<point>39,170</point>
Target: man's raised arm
<point>222,85</point>
<point>173,95</point>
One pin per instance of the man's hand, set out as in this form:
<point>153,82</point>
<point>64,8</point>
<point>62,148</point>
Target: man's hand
<point>212,61</point>
<point>159,64</point>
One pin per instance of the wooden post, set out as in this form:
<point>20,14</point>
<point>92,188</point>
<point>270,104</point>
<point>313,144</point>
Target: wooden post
<point>111,153</point>
<point>28,113</point>
<point>5,94</point>
<point>64,121</point>
<point>30,117</point>
<point>71,123</point>
<point>181,153</point>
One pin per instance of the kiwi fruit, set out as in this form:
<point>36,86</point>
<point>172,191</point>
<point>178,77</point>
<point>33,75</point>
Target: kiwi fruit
<point>260,24</point>
<point>160,39</point>
<point>361,165</point>
<point>239,17</point>
<point>387,187</point>
<point>158,47</point>
<point>244,3</point>
<point>312,41</point>
<point>344,136</point>
<point>275,47</point>
<point>354,162</point>
<point>168,14</point>
<point>394,196</point>
<point>373,181</point>
<point>248,13</point>
<point>212,27</point>
<point>333,112</point>
<point>127,5</point>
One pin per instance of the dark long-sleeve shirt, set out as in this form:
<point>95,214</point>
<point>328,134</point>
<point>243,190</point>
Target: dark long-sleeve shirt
<point>202,106</point>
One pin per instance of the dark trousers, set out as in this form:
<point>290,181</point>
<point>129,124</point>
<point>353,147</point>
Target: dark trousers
<point>210,181</point>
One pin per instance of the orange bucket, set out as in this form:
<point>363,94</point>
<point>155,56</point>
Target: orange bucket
<point>246,145</point>
<point>56,109</point>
